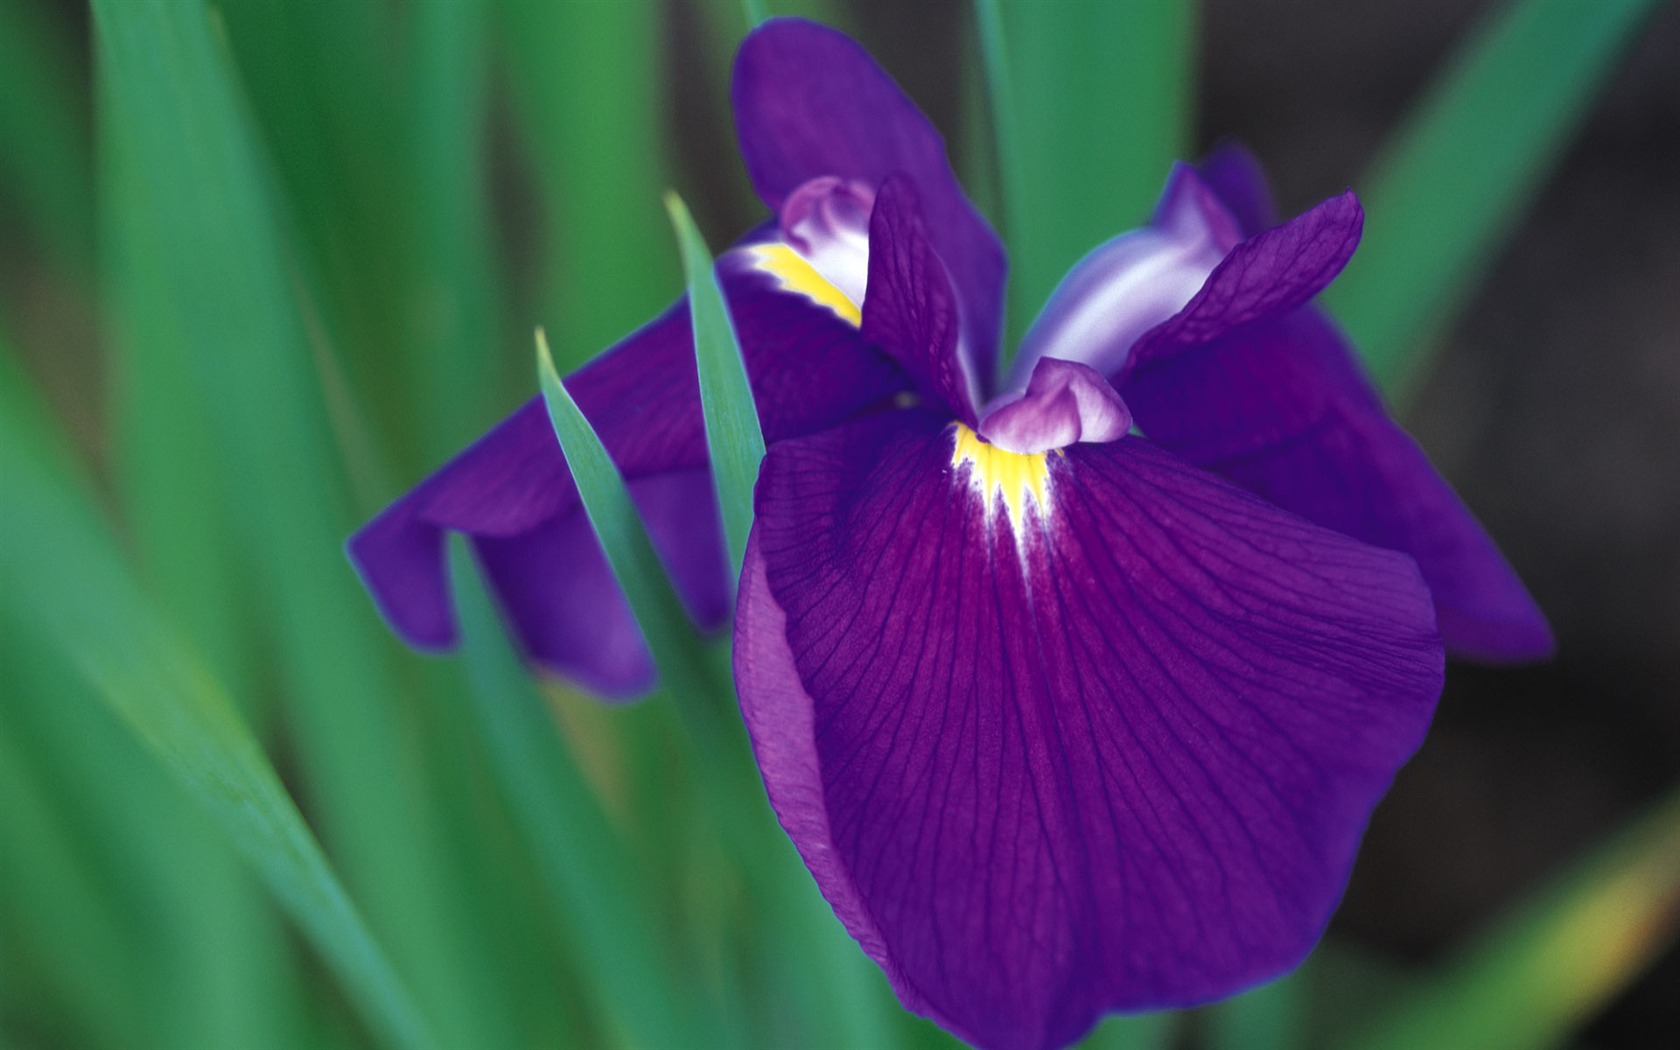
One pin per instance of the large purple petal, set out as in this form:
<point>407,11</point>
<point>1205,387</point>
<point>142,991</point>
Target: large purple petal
<point>810,102</point>
<point>809,369</point>
<point>1268,274</point>
<point>910,311</point>
<point>1282,409</point>
<point>1122,763</point>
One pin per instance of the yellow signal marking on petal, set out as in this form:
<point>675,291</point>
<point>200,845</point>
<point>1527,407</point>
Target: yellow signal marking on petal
<point>1020,479</point>
<point>794,273</point>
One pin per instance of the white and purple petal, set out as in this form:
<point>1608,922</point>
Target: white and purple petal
<point>1114,753</point>
<point>810,103</point>
<point>1132,283</point>
<point>1065,403</point>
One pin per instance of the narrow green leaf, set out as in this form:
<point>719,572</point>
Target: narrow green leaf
<point>202,210</point>
<point>591,881</point>
<point>755,11</point>
<point>1454,180</point>
<point>46,155</point>
<point>455,308</point>
<point>1091,104</point>
<point>208,955</point>
<point>733,438</point>
<point>1544,971</point>
<point>587,87</point>
<point>60,570</point>
<point>804,936</point>
<point>641,575</point>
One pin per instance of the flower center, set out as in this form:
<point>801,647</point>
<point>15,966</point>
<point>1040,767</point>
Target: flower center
<point>1016,480</point>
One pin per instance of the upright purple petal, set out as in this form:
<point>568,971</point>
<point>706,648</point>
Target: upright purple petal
<point>810,102</point>
<point>512,492</point>
<point>1282,409</point>
<point>1235,175</point>
<point>1116,753</point>
<point>911,310</point>
<point>1268,274</point>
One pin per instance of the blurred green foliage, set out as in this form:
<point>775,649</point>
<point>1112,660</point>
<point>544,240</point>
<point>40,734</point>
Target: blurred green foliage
<point>311,245</point>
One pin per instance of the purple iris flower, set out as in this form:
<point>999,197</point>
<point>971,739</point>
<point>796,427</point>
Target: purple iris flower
<point>1063,719</point>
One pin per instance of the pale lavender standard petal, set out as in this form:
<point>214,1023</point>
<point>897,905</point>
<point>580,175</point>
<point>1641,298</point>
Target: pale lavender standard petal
<point>809,102</point>
<point>1128,285</point>
<point>1282,407</point>
<point>1065,403</point>
<point>512,493</point>
<point>1121,762</point>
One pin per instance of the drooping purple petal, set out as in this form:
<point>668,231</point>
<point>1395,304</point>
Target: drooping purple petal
<point>1121,762</point>
<point>810,102</point>
<point>1268,274</point>
<point>560,600</point>
<point>1282,409</point>
<point>911,310</point>
<point>809,369</point>
<point>1065,403</point>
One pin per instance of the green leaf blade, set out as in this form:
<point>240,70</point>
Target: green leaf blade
<point>60,570</point>
<point>734,439</point>
<point>618,526</point>
<point>201,207</point>
<point>1454,180</point>
<point>590,878</point>
<point>1550,966</point>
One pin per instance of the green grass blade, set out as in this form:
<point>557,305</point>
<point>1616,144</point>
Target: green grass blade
<point>676,648</point>
<point>587,89</point>
<point>1453,181</point>
<point>46,155</point>
<point>591,881</point>
<point>60,570</point>
<point>204,213</point>
<point>1091,104</point>
<point>1543,972</point>
<point>456,330</point>
<point>733,437</point>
